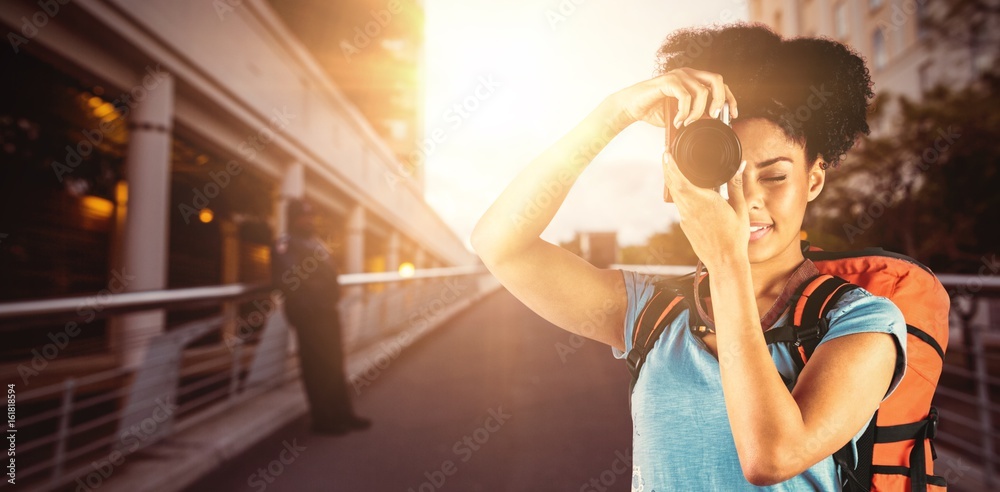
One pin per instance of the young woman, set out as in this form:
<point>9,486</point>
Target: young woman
<point>714,412</point>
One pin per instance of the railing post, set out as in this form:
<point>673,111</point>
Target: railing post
<point>983,397</point>
<point>234,372</point>
<point>65,412</point>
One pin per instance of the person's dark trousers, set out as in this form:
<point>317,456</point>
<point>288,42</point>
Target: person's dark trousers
<point>321,360</point>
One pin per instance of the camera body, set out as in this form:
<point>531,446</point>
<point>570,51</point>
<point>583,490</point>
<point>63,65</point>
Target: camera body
<point>707,151</point>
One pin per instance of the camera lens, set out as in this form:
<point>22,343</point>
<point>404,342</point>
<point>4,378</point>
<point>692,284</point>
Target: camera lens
<point>708,152</point>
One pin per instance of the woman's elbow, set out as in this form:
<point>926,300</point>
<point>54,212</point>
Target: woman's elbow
<point>768,469</point>
<point>493,248</point>
<point>761,475</point>
<point>481,245</point>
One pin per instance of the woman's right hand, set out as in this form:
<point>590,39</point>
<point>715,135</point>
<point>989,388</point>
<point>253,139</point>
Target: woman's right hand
<point>691,88</point>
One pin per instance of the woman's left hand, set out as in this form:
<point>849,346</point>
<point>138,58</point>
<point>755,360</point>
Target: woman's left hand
<point>718,231</point>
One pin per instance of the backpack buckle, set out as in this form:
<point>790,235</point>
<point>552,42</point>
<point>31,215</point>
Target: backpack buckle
<point>815,331</point>
<point>633,360</point>
<point>932,423</point>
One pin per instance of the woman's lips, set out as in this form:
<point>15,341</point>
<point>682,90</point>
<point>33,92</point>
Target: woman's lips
<point>761,232</point>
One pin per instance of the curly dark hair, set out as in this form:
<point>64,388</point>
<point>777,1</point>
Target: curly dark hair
<point>816,90</point>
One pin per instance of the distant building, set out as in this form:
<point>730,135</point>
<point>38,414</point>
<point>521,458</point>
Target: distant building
<point>598,248</point>
<point>374,52</point>
<point>888,33</point>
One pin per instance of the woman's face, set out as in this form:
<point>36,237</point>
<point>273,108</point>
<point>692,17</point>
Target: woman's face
<point>777,185</point>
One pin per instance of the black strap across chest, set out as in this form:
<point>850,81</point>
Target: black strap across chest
<point>811,302</point>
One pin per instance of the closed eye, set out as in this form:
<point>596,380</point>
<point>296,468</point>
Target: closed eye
<point>774,179</point>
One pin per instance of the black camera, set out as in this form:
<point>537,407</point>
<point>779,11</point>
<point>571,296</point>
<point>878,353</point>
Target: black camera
<point>707,151</point>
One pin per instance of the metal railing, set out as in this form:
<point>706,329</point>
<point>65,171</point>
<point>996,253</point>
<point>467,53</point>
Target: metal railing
<point>84,425</point>
<point>969,381</point>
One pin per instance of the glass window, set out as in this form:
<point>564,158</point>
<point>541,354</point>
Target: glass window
<point>922,20</point>
<point>62,141</point>
<point>923,73</point>
<point>879,49</point>
<point>840,19</point>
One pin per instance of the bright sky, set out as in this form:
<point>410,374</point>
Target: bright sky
<point>549,63</point>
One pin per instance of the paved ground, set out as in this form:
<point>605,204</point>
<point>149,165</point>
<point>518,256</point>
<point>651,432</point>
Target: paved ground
<point>484,404</point>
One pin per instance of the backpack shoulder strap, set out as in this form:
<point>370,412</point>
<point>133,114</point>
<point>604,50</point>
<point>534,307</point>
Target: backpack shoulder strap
<point>812,302</point>
<point>659,312</point>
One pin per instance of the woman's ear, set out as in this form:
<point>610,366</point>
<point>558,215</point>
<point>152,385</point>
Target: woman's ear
<point>816,178</point>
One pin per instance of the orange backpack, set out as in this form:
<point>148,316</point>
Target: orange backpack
<point>896,451</point>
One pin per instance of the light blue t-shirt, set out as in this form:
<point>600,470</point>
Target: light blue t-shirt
<point>681,437</point>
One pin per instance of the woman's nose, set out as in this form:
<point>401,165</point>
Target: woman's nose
<point>753,193</point>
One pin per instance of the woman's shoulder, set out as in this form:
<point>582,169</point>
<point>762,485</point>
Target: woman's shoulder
<point>859,310</point>
<point>641,285</point>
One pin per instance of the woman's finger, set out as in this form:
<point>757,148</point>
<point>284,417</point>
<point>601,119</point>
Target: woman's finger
<point>736,198</point>
<point>666,178</point>
<point>733,111</point>
<point>700,100</point>
<point>715,87</point>
<point>714,84</point>
<point>681,188</point>
<point>670,85</point>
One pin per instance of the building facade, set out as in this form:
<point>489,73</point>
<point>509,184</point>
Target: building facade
<point>889,34</point>
<point>152,145</point>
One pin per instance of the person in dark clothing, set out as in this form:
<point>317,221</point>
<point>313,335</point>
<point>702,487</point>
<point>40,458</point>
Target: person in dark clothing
<point>306,273</point>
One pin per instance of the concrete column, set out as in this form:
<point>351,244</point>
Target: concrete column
<point>292,187</point>
<point>420,261</point>
<point>792,19</point>
<point>145,237</point>
<point>355,241</point>
<point>824,13</point>
<point>230,273</point>
<point>354,262</point>
<point>859,35</point>
<point>392,259</point>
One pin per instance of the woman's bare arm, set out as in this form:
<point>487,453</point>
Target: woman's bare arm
<point>553,282</point>
<point>558,285</point>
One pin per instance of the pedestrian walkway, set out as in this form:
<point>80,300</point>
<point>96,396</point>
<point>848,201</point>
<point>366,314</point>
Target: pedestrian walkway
<point>498,399</point>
